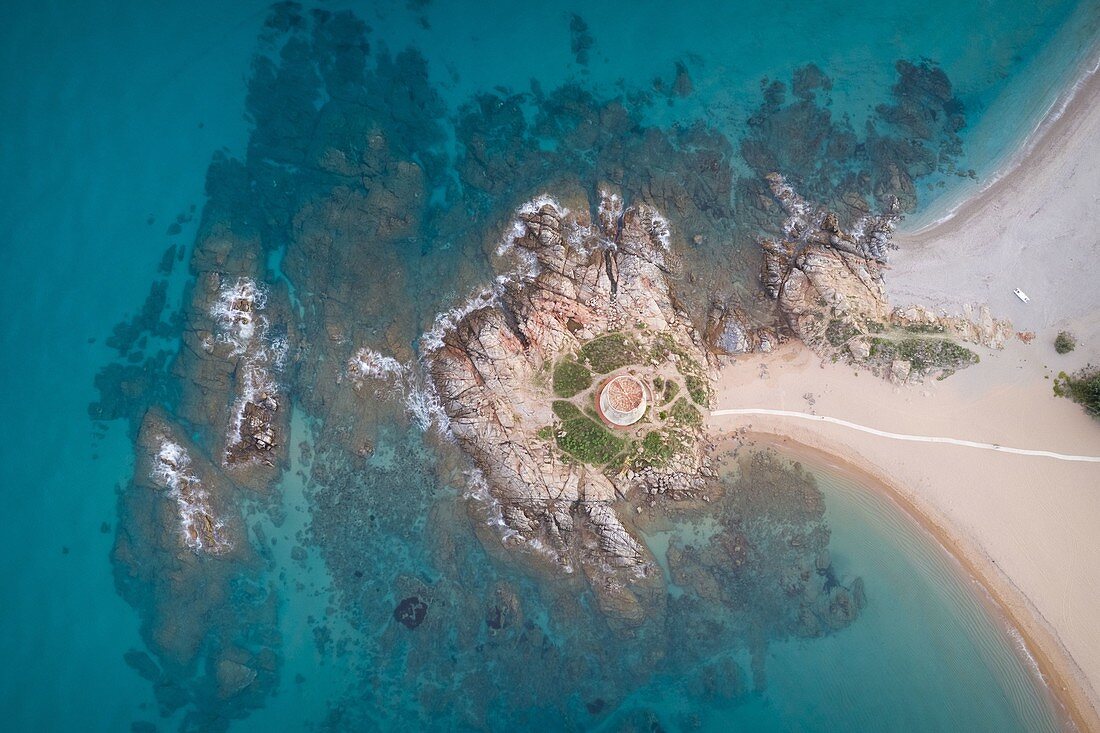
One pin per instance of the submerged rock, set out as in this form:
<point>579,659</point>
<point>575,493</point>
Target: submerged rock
<point>410,612</point>
<point>195,487</point>
<point>768,564</point>
<point>233,678</point>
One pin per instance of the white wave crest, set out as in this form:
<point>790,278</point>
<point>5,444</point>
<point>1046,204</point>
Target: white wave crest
<point>798,210</point>
<point>657,226</point>
<point>236,313</point>
<point>609,211</point>
<point>279,348</point>
<point>448,320</point>
<point>1023,651</point>
<point>535,205</point>
<point>171,469</point>
<point>370,364</point>
<point>508,241</point>
<point>477,489</point>
<point>256,386</point>
<point>418,394</point>
<point>240,323</point>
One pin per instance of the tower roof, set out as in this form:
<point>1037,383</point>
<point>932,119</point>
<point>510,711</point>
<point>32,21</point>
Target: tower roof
<point>622,400</point>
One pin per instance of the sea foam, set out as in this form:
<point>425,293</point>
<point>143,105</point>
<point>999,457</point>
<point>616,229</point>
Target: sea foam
<point>172,470</point>
<point>238,321</point>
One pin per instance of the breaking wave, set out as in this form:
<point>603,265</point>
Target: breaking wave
<point>418,395</point>
<point>238,322</point>
<point>172,470</point>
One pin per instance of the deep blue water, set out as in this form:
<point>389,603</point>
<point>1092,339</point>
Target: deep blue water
<point>111,114</point>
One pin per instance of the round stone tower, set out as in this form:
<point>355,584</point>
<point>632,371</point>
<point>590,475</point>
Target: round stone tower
<point>622,401</point>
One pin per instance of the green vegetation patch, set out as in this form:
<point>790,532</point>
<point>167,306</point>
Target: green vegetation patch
<point>924,354</point>
<point>664,389</point>
<point>1082,387</point>
<point>684,413</point>
<point>566,410</point>
<point>571,378</point>
<point>698,388</point>
<point>670,390</point>
<point>588,441</point>
<point>840,332</point>
<point>610,352</point>
<point>656,449</point>
<point>694,375</point>
<point>1065,342</point>
<point>924,328</point>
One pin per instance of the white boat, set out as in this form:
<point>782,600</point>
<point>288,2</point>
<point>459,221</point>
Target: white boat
<point>1022,295</point>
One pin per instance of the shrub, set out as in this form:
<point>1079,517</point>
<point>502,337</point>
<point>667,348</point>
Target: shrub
<point>1082,387</point>
<point>571,378</point>
<point>610,352</point>
<point>670,390</point>
<point>656,449</point>
<point>698,389</point>
<point>588,441</point>
<point>839,332</point>
<point>924,354</point>
<point>684,413</point>
<point>566,410</point>
<point>924,328</point>
<point>1065,342</point>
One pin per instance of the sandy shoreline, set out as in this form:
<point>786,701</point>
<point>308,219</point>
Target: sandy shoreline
<point>990,593</point>
<point>1024,526</point>
<point>1068,102</point>
<point>1035,228</point>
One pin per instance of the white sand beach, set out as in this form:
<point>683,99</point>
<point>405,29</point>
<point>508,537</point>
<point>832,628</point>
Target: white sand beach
<point>1037,228</point>
<point>1025,525</point>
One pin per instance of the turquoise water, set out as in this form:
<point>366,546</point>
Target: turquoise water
<point>909,570</point>
<point>111,114</point>
<point>926,626</point>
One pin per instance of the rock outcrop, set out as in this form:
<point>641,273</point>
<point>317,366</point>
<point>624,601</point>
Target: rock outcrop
<point>595,298</point>
<point>829,288</point>
<point>241,334</point>
<point>190,483</point>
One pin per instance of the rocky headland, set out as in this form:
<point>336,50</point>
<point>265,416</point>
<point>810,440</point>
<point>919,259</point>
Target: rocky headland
<point>326,250</point>
<point>829,288</point>
<point>518,370</point>
<point>518,378</point>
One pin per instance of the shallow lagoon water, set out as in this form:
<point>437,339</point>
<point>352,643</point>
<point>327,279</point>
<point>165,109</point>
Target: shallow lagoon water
<point>110,117</point>
<point>927,627</point>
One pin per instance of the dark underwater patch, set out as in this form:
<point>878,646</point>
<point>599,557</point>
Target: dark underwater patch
<point>410,612</point>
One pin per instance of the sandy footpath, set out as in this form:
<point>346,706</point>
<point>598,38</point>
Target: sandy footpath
<point>1037,228</point>
<point>1028,526</point>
